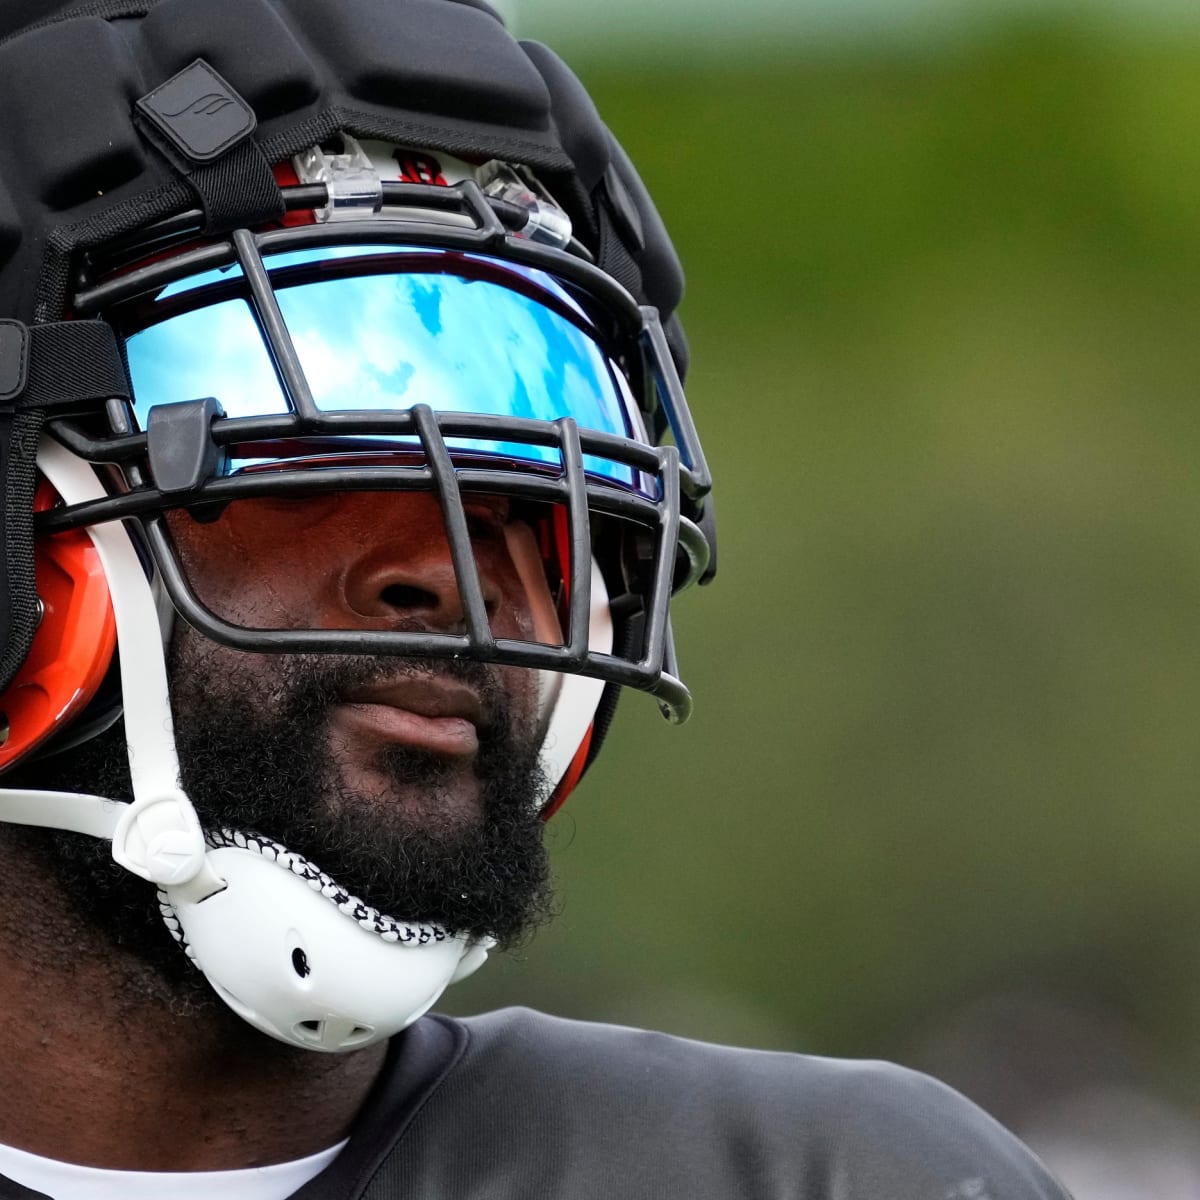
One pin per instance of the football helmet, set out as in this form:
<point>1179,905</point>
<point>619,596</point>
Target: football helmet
<point>254,282</point>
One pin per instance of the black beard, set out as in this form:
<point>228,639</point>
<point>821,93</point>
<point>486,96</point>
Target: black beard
<point>254,756</point>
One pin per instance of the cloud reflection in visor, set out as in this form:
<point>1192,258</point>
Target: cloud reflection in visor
<point>461,333</point>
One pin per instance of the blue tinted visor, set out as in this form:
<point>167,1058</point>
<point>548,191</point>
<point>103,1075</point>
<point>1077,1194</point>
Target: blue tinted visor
<point>381,329</point>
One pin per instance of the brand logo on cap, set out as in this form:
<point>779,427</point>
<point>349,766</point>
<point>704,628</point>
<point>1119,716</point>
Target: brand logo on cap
<point>206,106</point>
<point>198,113</point>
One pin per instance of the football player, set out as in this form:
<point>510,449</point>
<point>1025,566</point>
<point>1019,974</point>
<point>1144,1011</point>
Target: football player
<point>347,478</point>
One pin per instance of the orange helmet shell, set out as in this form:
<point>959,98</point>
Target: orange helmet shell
<point>74,643</point>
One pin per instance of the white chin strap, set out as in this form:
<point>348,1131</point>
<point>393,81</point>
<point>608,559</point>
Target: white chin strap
<point>279,942</point>
<point>571,700</point>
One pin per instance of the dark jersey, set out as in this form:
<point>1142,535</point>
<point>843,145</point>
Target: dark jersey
<point>516,1104</point>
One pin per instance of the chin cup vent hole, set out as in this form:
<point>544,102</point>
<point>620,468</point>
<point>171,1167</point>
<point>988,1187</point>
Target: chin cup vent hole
<point>301,967</point>
<point>315,1030</point>
<point>5,728</point>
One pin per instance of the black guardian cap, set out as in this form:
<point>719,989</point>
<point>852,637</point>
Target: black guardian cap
<point>167,158</point>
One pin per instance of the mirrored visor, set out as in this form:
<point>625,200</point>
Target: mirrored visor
<point>380,329</point>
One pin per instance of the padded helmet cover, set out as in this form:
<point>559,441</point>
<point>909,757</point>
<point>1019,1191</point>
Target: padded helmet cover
<point>81,165</point>
<point>76,168</point>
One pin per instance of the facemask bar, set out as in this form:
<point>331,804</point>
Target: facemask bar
<point>449,483</point>
<point>492,221</point>
<point>679,550</point>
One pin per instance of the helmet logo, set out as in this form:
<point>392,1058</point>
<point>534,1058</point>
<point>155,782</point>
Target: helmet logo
<point>419,168</point>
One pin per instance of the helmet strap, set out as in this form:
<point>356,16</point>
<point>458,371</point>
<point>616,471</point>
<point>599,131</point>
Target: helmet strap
<point>44,370</point>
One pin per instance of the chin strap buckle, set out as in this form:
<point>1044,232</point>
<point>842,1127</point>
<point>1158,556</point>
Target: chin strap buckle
<point>159,838</point>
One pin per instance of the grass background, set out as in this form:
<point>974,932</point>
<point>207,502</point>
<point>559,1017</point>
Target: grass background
<point>944,310</point>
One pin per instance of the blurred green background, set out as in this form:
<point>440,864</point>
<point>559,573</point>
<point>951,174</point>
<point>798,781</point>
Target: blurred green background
<point>944,303</point>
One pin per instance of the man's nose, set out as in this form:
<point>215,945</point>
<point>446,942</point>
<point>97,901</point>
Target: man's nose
<point>404,573</point>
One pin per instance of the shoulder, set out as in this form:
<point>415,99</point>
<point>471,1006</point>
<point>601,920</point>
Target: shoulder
<point>620,1062</point>
<point>870,1129</point>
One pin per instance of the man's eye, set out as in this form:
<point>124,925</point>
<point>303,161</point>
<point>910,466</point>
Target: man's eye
<point>487,518</point>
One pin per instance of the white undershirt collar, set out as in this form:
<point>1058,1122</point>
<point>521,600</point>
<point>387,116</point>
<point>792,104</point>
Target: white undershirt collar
<point>69,1181</point>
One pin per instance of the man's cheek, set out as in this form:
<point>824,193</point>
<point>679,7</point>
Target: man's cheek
<point>203,672</point>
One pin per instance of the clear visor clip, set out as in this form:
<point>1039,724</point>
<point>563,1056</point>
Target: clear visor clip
<point>351,180</point>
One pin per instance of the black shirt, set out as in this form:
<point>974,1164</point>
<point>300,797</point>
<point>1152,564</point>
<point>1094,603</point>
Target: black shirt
<point>516,1104</point>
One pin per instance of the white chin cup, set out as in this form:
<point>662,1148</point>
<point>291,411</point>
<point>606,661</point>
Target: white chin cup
<point>285,958</point>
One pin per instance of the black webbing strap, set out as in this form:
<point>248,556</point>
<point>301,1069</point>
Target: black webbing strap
<point>73,364</point>
<point>19,431</point>
<point>204,128</point>
<point>238,189</point>
<point>44,369</point>
<point>613,256</point>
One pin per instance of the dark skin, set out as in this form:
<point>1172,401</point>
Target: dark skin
<point>86,1032</point>
<point>190,1092</point>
